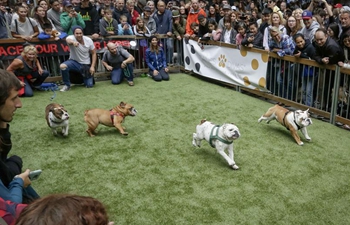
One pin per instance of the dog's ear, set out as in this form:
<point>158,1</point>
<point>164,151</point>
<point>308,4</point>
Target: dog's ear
<point>203,121</point>
<point>122,104</point>
<point>53,109</point>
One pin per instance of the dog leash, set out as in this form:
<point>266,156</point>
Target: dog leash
<point>126,71</point>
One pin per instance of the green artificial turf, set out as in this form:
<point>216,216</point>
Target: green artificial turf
<point>156,176</point>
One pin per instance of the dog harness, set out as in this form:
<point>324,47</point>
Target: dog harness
<point>284,123</point>
<point>216,137</point>
<point>115,114</point>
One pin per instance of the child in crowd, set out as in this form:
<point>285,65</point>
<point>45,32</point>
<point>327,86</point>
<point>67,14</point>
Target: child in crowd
<point>124,28</point>
<point>140,29</point>
<point>195,28</point>
<point>108,25</point>
<point>215,32</point>
<point>228,34</point>
<point>49,33</point>
<point>241,28</point>
<point>254,39</point>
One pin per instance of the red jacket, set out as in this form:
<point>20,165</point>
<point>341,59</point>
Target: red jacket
<point>193,17</point>
<point>9,211</point>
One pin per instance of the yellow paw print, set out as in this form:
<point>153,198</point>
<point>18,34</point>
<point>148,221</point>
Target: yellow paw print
<point>222,61</point>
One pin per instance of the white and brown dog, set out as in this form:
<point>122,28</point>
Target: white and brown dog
<point>219,137</point>
<point>292,120</point>
<point>110,118</point>
<point>57,116</point>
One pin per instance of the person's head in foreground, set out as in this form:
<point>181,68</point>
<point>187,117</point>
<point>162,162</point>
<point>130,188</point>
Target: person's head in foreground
<point>64,209</point>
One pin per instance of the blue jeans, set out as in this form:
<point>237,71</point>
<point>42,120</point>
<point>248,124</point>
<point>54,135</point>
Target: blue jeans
<point>117,74</point>
<point>168,46</point>
<point>162,75</point>
<point>73,65</point>
<point>39,79</point>
<point>29,194</point>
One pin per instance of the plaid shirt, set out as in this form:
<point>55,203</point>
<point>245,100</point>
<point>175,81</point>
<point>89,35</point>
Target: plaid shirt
<point>286,45</point>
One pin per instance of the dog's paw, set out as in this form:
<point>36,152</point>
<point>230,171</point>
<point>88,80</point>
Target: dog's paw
<point>234,167</point>
<point>308,139</point>
<point>125,134</point>
<point>301,143</point>
<point>65,134</point>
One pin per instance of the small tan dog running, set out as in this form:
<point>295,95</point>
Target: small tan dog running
<point>110,118</point>
<point>293,121</point>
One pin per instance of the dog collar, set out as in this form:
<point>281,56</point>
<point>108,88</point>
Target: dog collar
<point>216,137</point>
<point>55,121</point>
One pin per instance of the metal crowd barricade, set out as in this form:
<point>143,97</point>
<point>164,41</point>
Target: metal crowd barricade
<point>323,89</point>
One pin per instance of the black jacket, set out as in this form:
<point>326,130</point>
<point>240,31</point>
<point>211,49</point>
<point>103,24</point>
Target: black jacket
<point>117,13</point>
<point>257,42</point>
<point>204,30</point>
<point>91,19</point>
<point>330,49</point>
<point>308,52</point>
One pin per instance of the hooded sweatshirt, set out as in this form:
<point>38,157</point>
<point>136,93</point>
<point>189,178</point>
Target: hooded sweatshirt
<point>91,19</point>
<point>309,33</point>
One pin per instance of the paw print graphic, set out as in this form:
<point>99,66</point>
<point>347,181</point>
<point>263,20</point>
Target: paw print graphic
<point>222,61</point>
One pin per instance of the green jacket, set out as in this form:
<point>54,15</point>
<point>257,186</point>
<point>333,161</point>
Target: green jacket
<point>67,23</point>
<point>180,28</point>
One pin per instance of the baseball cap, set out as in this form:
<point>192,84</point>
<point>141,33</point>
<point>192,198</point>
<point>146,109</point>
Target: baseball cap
<point>226,6</point>
<point>338,5</point>
<point>147,9</point>
<point>175,13</point>
<point>66,3</point>
<point>234,8</point>
<point>307,14</point>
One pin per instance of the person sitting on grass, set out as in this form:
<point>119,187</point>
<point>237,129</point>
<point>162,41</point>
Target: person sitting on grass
<point>27,67</point>
<point>119,62</point>
<point>156,61</point>
<point>14,185</point>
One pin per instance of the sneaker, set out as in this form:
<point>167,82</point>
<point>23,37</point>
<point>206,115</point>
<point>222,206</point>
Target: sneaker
<point>131,83</point>
<point>65,88</point>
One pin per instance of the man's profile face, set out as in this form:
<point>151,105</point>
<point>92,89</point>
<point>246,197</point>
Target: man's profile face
<point>345,19</point>
<point>8,109</point>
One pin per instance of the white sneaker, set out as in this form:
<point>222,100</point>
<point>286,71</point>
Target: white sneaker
<point>65,88</point>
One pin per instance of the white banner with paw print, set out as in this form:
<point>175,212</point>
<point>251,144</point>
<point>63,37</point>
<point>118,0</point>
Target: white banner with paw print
<point>225,64</point>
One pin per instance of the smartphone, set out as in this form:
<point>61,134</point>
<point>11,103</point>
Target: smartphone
<point>33,175</point>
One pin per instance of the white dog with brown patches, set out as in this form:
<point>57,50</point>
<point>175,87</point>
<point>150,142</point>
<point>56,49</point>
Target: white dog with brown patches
<point>57,116</point>
<point>219,137</point>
